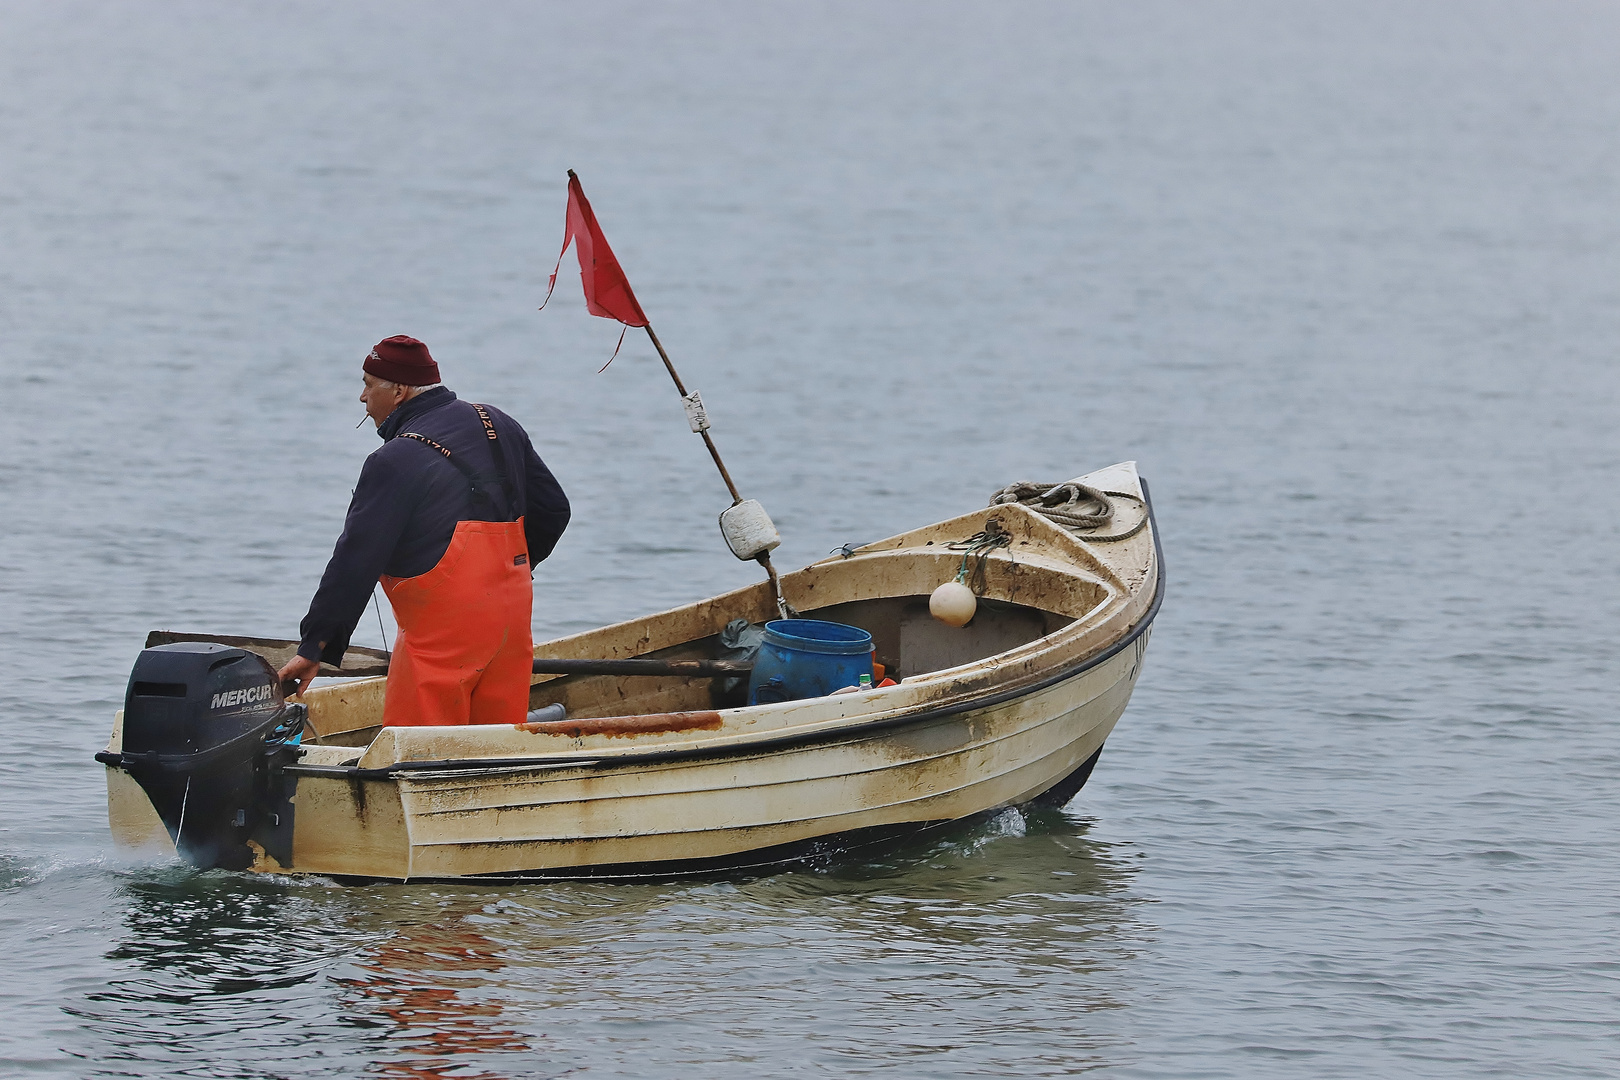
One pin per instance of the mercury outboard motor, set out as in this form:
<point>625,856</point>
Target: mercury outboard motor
<point>205,729</point>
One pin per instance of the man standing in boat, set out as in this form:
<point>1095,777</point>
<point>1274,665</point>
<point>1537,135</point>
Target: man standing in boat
<point>451,515</point>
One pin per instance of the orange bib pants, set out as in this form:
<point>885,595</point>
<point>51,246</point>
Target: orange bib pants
<point>465,653</point>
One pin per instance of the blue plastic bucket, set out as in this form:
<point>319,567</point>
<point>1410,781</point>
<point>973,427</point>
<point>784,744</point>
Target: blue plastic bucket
<point>804,658</point>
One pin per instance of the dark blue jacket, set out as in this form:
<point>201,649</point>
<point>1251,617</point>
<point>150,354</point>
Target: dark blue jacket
<point>409,500</point>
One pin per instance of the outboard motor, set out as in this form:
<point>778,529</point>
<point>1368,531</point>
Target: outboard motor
<point>204,728</point>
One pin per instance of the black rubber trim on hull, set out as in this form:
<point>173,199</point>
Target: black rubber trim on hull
<point>764,860</point>
<point>761,860</point>
<point>472,765</point>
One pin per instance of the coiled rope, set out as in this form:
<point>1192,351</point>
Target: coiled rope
<point>1073,505</point>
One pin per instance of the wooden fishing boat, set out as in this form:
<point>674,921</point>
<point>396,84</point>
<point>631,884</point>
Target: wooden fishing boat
<point>669,774</point>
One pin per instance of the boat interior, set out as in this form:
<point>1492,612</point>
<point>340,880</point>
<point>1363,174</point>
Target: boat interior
<point>906,639</point>
<point>1028,590</point>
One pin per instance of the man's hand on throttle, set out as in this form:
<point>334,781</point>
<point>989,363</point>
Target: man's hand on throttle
<point>301,670</point>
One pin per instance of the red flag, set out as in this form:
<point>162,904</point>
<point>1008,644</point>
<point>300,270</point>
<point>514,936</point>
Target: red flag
<point>607,290</point>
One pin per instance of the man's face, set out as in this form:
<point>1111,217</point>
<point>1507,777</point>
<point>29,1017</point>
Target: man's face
<point>380,398</point>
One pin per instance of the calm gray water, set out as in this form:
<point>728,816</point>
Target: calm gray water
<point>1344,278</point>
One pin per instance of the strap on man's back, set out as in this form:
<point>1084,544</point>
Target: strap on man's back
<point>500,458</point>
<point>480,483</point>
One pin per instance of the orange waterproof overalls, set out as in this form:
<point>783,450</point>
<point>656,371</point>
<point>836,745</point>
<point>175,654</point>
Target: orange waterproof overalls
<point>465,653</point>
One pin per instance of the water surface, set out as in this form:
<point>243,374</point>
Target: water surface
<point>1344,279</point>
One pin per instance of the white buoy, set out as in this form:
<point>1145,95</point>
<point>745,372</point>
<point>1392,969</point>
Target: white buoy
<point>953,604</point>
<point>748,530</point>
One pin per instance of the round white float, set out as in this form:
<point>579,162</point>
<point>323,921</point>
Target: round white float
<point>953,604</point>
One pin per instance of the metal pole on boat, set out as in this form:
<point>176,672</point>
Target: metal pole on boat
<point>745,525</point>
<point>700,424</point>
<point>707,441</point>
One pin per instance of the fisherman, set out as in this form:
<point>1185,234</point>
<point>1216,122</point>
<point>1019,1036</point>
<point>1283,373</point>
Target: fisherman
<point>451,515</point>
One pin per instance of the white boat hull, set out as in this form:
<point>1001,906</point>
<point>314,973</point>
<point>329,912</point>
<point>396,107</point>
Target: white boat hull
<point>702,812</point>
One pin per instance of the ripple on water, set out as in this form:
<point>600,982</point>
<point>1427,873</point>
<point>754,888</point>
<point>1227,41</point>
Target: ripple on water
<point>539,981</point>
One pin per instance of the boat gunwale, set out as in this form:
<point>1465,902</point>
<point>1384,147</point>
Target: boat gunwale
<point>915,715</point>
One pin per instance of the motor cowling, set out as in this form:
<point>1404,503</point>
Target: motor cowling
<point>202,725</point>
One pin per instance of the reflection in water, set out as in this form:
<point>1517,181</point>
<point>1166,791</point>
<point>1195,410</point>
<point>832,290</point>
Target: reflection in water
<point>224,962</point>
<point>425,983</point>
<point>220,975</point>
<point>199,937</point>
<point>957,951</point>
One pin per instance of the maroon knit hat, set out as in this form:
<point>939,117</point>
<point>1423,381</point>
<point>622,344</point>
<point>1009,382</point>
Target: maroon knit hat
<point>402,359</point>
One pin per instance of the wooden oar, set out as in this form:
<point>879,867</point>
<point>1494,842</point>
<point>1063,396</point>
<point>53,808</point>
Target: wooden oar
<point>359,660</point>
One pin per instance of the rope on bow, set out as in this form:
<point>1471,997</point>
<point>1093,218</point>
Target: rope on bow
<point>1073,505</point>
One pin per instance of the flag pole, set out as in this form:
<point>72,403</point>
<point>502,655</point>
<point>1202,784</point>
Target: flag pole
<point>764,558</point>
<point>599,267</point>
<point>736,497</point>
